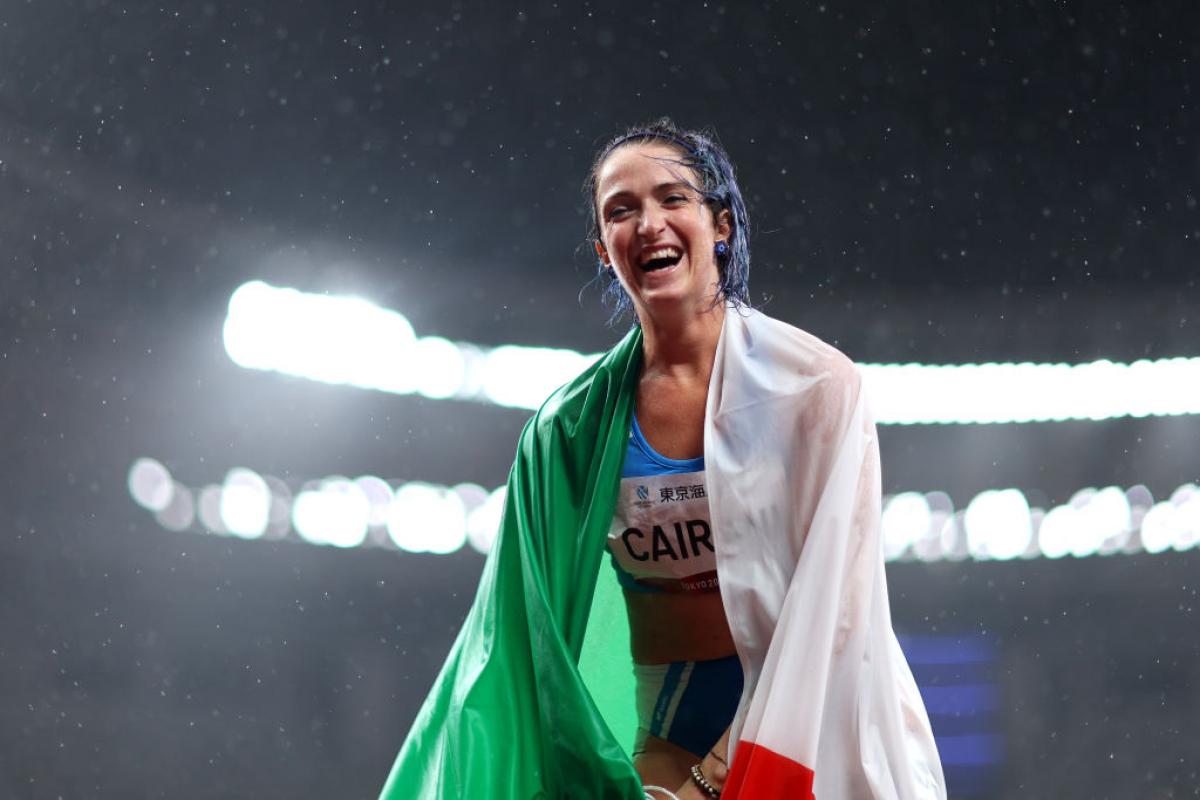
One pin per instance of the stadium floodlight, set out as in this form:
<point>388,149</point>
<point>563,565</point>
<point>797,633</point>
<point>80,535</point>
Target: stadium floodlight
<point>425,518</point>
<point>245,503</point>
<point>348,340</point>
<point>324,338</point>
<point>907,394</point>
<point>334,513</point>
<point>906,519</point>
<point>998,524</point>
<point>420,517</point>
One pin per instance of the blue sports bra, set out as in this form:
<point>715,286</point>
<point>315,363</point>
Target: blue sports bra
<point>661,537</point>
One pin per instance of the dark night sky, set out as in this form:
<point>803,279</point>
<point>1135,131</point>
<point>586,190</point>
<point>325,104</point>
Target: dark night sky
<point>1016,146</point>
<point>929,182</point>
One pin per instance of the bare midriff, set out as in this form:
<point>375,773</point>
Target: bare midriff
<point>677,627</point>
<point>666,626</point>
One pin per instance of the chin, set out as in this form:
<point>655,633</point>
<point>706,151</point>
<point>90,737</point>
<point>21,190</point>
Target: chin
<point>673,296</point>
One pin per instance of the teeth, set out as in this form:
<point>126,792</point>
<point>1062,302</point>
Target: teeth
<point>661,252</point>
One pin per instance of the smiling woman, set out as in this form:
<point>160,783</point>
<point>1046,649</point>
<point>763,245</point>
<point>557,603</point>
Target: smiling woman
<point>689,173</point>
<point>659,239</point>
<point>727,465</point>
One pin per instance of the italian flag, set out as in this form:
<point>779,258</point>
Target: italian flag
<point>536,700</point>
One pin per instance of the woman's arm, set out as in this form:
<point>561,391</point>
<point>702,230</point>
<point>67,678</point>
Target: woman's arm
<point>714,768</point>
<point>714,765</point>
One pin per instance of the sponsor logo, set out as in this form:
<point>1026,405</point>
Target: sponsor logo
<point>673,494</point>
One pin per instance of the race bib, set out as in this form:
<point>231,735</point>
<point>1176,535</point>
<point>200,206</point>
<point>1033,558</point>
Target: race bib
<point>661,532</point>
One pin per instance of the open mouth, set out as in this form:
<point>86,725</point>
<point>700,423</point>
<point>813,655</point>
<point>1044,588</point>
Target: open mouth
<point>662,258</point>
<point>660,263</point>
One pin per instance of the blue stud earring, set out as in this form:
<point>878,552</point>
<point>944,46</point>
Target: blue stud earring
<point>721,248</point>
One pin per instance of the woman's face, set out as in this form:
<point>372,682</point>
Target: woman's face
<point>656,232</point>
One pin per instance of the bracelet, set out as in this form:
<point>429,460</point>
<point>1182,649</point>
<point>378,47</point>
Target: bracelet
<point>706,787</point>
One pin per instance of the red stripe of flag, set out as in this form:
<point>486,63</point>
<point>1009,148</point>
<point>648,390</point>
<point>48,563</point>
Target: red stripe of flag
<point>759,773</point>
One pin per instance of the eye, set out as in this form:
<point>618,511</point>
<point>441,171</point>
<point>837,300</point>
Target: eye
<point>616,212</point>
<point>676,199</point>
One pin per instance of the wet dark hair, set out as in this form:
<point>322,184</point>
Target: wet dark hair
<point>700,152</point>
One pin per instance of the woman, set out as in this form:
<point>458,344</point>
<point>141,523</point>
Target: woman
<point>665,239</point>
<point>728,462</point>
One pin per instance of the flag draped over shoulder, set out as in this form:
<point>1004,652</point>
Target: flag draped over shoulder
<point>829,707</point>
<point>509,716</point>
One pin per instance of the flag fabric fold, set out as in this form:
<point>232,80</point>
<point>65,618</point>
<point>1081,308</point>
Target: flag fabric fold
<point>829,707</point>
<point>532,701</point>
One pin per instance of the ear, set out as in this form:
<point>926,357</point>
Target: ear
<point>724,224</point>
<point>602,253</point>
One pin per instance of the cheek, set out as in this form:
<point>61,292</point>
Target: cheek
<point>616,240</point>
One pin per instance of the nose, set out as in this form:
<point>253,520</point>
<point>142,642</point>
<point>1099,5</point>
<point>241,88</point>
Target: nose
<point>651,221</point>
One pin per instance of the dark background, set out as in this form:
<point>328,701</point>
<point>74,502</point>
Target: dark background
<point>934,183</point>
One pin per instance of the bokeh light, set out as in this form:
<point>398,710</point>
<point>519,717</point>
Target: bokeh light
<point>484,521</point>
<point>208,509</point>
<point>336,512</point>
<point>421,517</point>
<point>427,519</point>
<point>150,484</point>
<point>906,519</point>
<point>245,503</point>
<point>439,367</point>
<point>998,524</point>
<point>180,512</point>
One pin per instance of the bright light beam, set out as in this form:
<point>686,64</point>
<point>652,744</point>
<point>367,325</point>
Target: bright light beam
<point>346,340</point>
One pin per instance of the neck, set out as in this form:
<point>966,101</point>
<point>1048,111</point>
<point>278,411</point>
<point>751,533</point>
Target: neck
<point>681,344</point>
